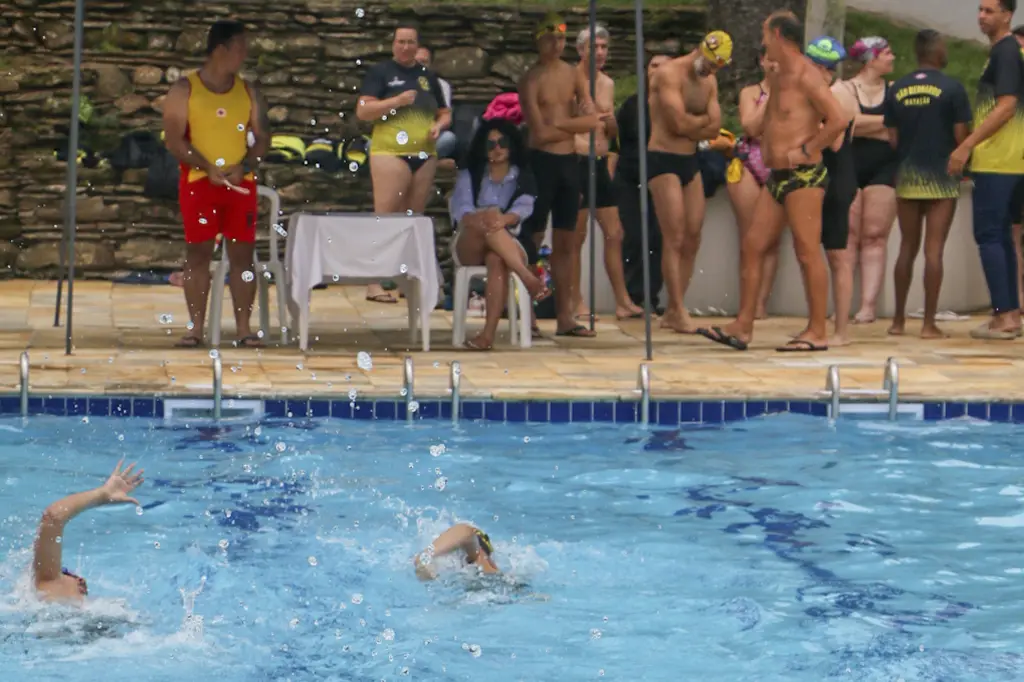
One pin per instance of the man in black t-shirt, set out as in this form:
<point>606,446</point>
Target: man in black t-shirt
<point>927,114</point>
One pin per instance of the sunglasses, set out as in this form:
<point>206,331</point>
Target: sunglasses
<point>500,143</point>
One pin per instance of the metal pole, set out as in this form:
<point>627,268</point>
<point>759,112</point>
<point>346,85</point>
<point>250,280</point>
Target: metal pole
<point>891,383</point>
<point>641,105</point>
<point>455,381</point>
<point>644,382</point>
<point>60,276</point>
<point>24,365</point>
<point>72,189</point>
<point>832,385</point>
<point>218,386</point>
<point>407,384</point>
<point>592,162</point>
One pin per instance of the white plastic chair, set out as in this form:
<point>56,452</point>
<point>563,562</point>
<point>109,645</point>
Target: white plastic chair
<point>275,267</point>
<point>520,312</point>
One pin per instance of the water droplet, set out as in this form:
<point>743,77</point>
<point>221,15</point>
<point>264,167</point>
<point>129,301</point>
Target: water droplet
<point>336,278</point>
<point>441,483</point>
<point>357,598</point>
<point>293,622</point>
<point>352,393</point>
<point>403,268</point>
<point>223,544</point>
<point>202,221</point>
<point>279,228</point>
<point>388,634</point>
<point>280,447</point>
<point>85,420</point>
<point>190,326</point>
<point>403,391</point>
<point>156,545</point>
<point>257,431</point>
<point>247,276</point>
<point>120,437</point>
<point>364,361</point>
<point>214,353</point>
<point>312,561</point>
<point>59,539</point>
<point>526,439</point>
<point>353,166</point>
<point>595,633</point>
<point>360,12</point>
<point>298,366</point>
<point>166,318</point>
<point>402,137</point>
<point>413,407</point>
<point>220,163</point>
<point>138,511</point>
<point>437,450</point>
<point>241,127</point>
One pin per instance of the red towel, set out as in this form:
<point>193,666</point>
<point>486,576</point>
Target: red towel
<point>506,106</point>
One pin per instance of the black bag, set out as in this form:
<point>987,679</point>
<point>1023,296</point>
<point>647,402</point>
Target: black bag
<point>163,176</point>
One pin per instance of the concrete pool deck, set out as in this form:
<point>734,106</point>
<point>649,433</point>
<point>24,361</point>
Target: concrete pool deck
<point>122,347</point>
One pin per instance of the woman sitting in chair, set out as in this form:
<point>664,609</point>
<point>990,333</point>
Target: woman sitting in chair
<point>492,198</point>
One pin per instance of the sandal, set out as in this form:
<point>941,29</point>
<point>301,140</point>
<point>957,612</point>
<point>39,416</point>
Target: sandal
<point>189,342</point>
<point>579,332</point>
<point>382,298</point>
<point>251,341</point>
<point>800,346</point>
<point>473,345</point>
<point>718,336</point>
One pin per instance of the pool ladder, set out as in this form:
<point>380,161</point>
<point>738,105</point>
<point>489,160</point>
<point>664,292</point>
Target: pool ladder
<point>890,389</point>
<point>218,386</point>
<point>408,376</point>
<point>23,382</point>
<point>643,385</point>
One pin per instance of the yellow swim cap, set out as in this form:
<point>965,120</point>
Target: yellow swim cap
<point>717,47</point>
<point>551,24</point>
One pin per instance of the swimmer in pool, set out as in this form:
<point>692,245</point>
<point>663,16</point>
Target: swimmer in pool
<point>52,581</point>
<point>462,536</point>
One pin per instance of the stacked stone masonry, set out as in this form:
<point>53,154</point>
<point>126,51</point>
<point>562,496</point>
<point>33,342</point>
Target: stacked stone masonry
<point>308,57</point>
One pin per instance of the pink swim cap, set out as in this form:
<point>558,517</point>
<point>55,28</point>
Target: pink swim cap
<point>868,48</point>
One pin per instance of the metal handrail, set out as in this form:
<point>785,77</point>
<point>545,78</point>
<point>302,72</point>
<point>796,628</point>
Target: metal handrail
<point>454,383</point>
<point>832,386</point>
<point>891,383</point>
<point>407,384</point>
<point>218,386</point>
<point>23,369</point>
<point>644,386</point>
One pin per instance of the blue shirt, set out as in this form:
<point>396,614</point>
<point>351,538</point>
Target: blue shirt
<point>491,194</point>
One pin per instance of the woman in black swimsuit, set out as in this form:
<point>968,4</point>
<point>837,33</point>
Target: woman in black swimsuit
<point>874,210</point>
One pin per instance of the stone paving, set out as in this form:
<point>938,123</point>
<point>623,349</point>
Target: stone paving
<point>124,336</point>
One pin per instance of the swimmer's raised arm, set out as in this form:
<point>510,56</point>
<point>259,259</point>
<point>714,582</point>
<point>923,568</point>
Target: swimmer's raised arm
<point>462,536</point>
<point>46,565</point>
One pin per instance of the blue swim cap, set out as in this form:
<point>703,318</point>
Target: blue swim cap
<point>826,51</point>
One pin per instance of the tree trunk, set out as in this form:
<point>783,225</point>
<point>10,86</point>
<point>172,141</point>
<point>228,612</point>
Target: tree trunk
<point>825,17</point>
<point>743,19</point>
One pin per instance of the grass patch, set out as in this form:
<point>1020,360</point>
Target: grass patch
<point>966,59</point>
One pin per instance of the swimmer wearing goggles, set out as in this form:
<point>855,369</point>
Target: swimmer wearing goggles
<point>52,581</point>
<point>473,542</point>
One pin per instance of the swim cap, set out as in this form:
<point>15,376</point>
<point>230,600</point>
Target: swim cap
<point>551,24</point>
<point>485,541</point>
<point>717,48</point>
<point>868,48</point>
<point>826,51</point>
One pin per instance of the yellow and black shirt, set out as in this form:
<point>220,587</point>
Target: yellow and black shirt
<point>1004,75</point>
<point>924,108</point>
<point>407,131</point>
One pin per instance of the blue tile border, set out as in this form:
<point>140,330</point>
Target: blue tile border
<point>662,412</point>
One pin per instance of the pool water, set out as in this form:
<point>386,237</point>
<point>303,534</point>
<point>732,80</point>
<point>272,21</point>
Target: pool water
<point>783,548</point>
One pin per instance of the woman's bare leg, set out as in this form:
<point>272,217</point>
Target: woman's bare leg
<point>392,181</point>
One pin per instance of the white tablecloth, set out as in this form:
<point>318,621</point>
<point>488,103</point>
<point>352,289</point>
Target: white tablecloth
<point>360,248</point>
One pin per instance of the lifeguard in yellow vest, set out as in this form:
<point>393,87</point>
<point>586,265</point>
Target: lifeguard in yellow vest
<point>215,126</point>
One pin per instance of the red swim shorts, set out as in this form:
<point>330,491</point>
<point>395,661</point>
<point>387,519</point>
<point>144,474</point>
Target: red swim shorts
<point>208,210</point>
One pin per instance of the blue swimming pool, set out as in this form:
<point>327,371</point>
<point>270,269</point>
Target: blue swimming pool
<point>780,548</point>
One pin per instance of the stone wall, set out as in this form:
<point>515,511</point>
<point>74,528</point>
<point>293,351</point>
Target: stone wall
<point>308,57</point>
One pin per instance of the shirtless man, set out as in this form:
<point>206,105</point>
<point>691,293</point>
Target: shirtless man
<point>549,94</point>
<point>803,118</point>
<point>606,207</point>
<point>684,111</point>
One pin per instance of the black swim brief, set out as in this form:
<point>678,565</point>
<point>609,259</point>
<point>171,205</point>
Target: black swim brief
<point>782,182</point>
<point>558,192</point>
<point>683,166</point>
<point>605,194</point>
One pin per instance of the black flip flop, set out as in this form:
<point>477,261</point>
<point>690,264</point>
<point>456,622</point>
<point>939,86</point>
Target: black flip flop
<point>251,341</point>
<point>189,342</point>
<point>579,332</point>
<point>800,346</point>
<point>718,336</point>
